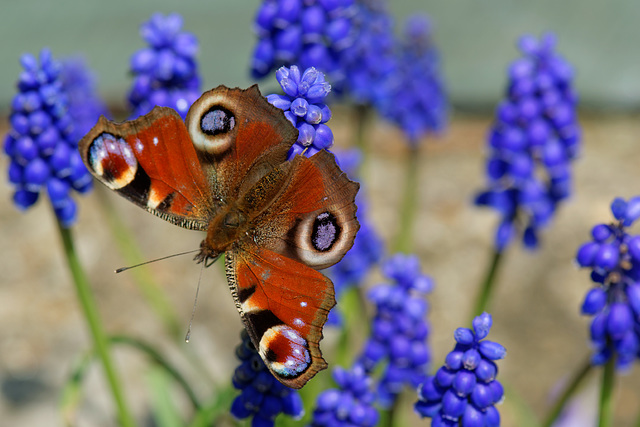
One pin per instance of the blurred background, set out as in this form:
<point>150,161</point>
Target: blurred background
<point>536,308</point>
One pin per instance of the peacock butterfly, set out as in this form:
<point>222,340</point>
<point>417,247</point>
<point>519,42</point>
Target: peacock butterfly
<point>224,170</point>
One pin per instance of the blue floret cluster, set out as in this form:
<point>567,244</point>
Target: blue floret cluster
<point>613,255</point>
<point>533,140</point>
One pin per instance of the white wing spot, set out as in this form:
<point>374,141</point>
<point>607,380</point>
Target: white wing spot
<point>298,322</point>
<point>139,146</point>
<point>303,304</point>
<point>155,140</point>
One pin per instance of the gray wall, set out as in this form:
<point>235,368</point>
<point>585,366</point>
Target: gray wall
<point>476,37</point>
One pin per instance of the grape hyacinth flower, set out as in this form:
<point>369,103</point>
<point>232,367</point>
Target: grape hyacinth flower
<point>165,73</point>
<point>415,99</point>
<point>309,33</point>
<point>532,142</point>
<point>399,330</point>
<point>464,391</point>
<point>303,105</point>
<point>367,249</point>
<point>614,259</point>
<point>40,144</point>
<point>370,62</point>
<point>85,106</point>
<point>351,404</point>
<point>262,397</point>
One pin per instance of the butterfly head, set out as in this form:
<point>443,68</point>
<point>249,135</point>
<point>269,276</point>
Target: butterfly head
<point>206,255</point>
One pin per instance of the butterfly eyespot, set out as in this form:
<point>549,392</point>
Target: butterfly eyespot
<point>321,239</point>
<point>113,160</point>
<point>326,232</point>
<point>286,352</point>
<point>217,120</point>
<point>212,124</point>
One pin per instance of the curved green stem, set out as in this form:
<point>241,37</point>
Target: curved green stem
<point>488,285</point>
<point>404,241</point>
<point>148,287</point>
<point>217,408</point>
<point>71,391</point>
<point>576,380</point>
<point>162,362</point>
<point>605,418</point>
<point>90,309</point>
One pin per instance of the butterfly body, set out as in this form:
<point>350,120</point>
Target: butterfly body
<point>224,171</point>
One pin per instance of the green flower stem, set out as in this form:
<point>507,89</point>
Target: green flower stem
<point>605,418</point>
<point>100,341</point>
<point>362,113</point>
<point>404,241</point>
<point>132,256</point>
<point>353,308</point>
<point>482,300</point>
<point>578,377</point>
<point>71,393</point>
<point>213,412</point>
<point>157,358</point>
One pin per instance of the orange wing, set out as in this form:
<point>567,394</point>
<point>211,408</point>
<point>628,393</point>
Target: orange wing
<point>283,305</point>
<point>152,162</point>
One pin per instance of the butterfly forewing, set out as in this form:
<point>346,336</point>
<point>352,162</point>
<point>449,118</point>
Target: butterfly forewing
<point>152,162</point>
<point>240,136</point>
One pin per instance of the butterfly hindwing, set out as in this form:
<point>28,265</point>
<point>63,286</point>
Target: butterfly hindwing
<point>313,218</point>
<point>152,162</point>
<point>283,305</point>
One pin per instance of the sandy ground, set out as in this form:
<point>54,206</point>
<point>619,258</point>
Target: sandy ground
<point>535,311</point>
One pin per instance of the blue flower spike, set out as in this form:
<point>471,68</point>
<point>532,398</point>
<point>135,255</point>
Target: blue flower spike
<point>85,106</point>
<point>613,256</point>
<point>262,397</point>
<point>351,404</point>
<point>306,33</point>
<point>414,95</point>
<point>41,142</point>
<point>532,143</point>
<point>465,390</point>
<point>165,72</point>
<point>303,105</point>
<point>399,330</point>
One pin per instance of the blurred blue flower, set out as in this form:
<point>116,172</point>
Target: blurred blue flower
<point>349,405</point>
<point>371,61</point>
<point>399,329</point>
<point>368,248</point>
<point>41,142</point>
<point>308,33</point>
<point>85,105</point>
<point>413,96</point>
<point>613,255</point>
<point>534,138</point>
<point>262,397</point>
<point>165,72</point>
<point>464,391</point>
<point>303,105</point>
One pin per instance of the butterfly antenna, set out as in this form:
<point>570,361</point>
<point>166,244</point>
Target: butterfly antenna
<point>121,269</point>
<point>195,302</point>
